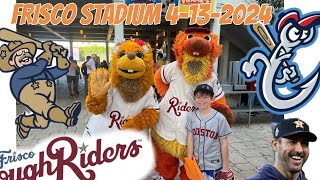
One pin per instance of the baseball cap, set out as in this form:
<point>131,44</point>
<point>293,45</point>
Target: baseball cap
<point>292,126</point>
<point>312,19</point>
<point>204,88</point>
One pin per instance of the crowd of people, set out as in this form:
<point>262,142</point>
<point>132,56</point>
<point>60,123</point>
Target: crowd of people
<point>93,62</point>
<point>77,73</point>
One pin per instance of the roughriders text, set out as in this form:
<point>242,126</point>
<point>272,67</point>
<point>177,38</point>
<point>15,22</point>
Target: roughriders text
<point>64,160</point>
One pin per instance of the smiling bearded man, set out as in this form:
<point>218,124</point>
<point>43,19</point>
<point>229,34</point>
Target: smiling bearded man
<point>291,146</point>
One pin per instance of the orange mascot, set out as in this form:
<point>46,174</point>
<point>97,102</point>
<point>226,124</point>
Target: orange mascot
<point>195,50</point>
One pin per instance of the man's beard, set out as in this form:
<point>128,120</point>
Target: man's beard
<point>285,159</point>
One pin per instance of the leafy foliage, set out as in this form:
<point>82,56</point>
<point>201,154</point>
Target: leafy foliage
<point>277,4</point>
<point>94,49</point>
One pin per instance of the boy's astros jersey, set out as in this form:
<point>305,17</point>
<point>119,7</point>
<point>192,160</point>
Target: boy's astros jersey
<point>117,112</point>
<point>179,100</point>
<point>206,135</point>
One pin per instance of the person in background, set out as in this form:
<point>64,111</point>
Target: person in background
<point>85,74</point>
<point>72,77</point>
<point>245,98</point>
<point>97,62</point>
<point>104,64</point>
<point>91,64</point>
<point>254,99</point>
<point>160,59</point>
<point>78,74</point>
<point>156,65</point>
<point>291,147</point>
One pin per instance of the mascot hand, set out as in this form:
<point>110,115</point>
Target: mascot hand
<point>147,118</point>
<point>59,50</point>
<point>62,62</point>
<point>47,46</point>
<point>47,53</point>
<point>131,123</point>
<point>99,82</point>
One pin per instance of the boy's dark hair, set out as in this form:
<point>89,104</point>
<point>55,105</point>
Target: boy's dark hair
<point>203,93</point>
<point>88,58</point>
<point>204,89</point>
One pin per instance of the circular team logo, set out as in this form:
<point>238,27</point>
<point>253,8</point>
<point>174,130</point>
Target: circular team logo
<point>281,87</point>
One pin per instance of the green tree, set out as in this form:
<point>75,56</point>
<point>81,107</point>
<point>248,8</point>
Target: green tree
<point>99,50</point>
<point>276,4</point>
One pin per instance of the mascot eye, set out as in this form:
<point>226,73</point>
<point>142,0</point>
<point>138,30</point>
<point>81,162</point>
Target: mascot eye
<point>207,38</point>
<point>122,53</point>
<point>294,34</point>
<point>190,36</point>
<point>140,54</point>
<point>305,34</point>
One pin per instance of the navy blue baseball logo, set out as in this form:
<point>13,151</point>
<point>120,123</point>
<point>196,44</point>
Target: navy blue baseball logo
<point>33,80</point>
<point>272,66</point>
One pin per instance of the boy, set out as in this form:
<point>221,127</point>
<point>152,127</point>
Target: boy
<point>207,136</point>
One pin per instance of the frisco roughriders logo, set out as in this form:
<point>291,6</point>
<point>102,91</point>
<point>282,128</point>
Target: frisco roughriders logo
<point>272,64</point>
<point>6,157</point>
<point>64,153</point>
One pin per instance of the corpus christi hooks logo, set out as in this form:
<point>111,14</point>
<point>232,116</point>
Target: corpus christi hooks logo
<point>272,64</point>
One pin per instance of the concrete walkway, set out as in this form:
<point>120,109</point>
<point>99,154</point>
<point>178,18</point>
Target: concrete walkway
<point>250,146</point>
